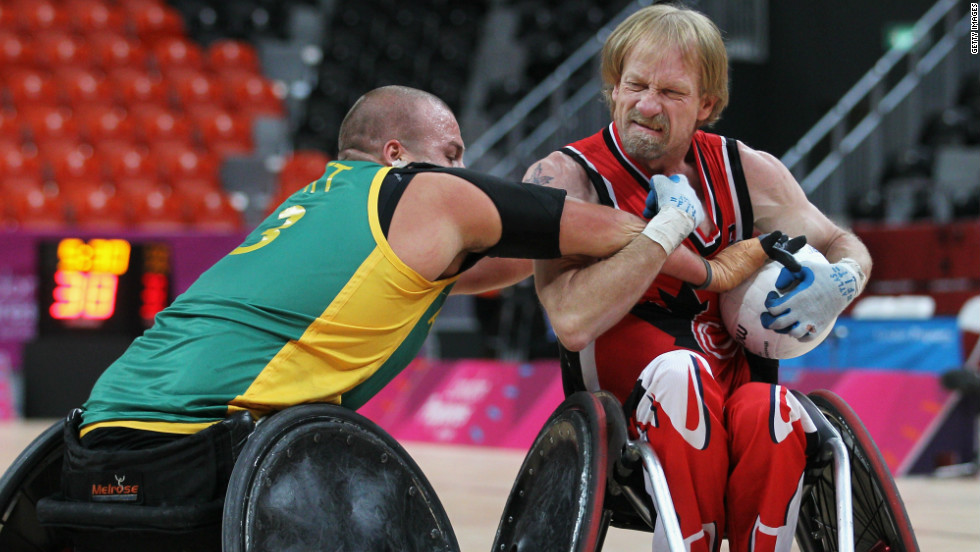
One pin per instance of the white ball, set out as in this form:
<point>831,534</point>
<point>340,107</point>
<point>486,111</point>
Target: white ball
<point>742,306</point>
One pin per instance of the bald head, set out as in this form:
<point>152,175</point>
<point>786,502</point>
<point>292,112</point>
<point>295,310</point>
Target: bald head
<point>417,120</point>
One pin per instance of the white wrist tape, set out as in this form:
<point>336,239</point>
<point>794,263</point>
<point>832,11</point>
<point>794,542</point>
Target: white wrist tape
<point>858,272</point>
<point>669,228</point>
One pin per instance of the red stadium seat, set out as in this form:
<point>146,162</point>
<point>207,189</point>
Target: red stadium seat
<point>44,122</point>
<point>98,122</point>
<point>229,54</point>
<point>158,210</point>
<point>134,86</point>
<point>153,21</point>
<point>17,160</point>
<point>189,87</point>
<point>81,86</point>
<point>100,209</point>
<point>11,128</point>
<point>15,50</point>
<point>156,123</point>
<point>29,86</point>
<point>37,210</point>
<point>86,16</point>
<point>121,159</point>
<point>55,48</point>
<point>71,162</point>
<point>176,51</point>
<point>113,49</point>
<point>214,212</point>
<point>39,15</point>
<point>252,94</point>
<point>301,168</point>
<point>223,132</point>
<point>182,162</point>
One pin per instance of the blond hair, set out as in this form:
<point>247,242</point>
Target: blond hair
<point>663,27</point>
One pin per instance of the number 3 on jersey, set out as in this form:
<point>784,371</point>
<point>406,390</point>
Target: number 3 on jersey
<point>290,214</point>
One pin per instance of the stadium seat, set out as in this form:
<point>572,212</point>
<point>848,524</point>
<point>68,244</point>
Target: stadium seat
<point>189,87</point>
<point>176,51</point>
<point>100,209</point>
<point>125,159</point>
<point>179,162</point>
<point>14,49</point>
<point>112,49</point>
<point>43,122</point>
<point>229,54</point>
<point>98,122</point>
<point>28,86</point>
<point>11,129</point>
<point>136,86</point>
<point>213,211</point>
<point>69,161</point>
<point>16,159</point>
<point>157,210</point>
<point>252,93</point>
<point>301,168</point>
<point>78,86</point>
<point>38,210</point>
<point>87,16</point>
<point>39,15</point>
<point>153,21</point>
<point>55,48</point>
<point>222,132</point>
<point>20,171</point>
<point>155,123</point>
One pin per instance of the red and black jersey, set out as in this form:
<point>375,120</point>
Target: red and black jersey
<point>671,314</point>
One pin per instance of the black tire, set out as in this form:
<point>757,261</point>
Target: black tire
<point>321,476</point>
<point>880,521</point>
<point>555,503</point>
<point>36,473</point>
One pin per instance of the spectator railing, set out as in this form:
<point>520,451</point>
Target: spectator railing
<point>842,155</point>
<point>845,153</point>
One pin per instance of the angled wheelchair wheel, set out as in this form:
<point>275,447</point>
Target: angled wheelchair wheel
<point>319,476</point>
<point>881,523</point>
<point>36,473</point>
<point>556,501</point>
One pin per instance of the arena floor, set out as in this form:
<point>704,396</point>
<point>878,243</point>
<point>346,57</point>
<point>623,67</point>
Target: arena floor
<point>473,484</point>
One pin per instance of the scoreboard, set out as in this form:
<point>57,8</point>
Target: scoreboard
<point>101,285</point>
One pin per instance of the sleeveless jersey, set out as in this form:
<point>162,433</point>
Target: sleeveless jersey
<point>671,314</point>
<point>314,306</point>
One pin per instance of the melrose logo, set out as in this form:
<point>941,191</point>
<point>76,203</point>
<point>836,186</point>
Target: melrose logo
<point>120,492</point>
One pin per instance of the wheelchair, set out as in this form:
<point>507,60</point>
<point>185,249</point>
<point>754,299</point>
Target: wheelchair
<point>583,474</point>
<point>308,477</point>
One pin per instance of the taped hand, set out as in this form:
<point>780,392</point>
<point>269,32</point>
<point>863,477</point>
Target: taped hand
<point>807,300</point>
<point>673,191</point>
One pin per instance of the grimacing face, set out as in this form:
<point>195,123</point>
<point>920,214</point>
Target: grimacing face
<point>657,103</point>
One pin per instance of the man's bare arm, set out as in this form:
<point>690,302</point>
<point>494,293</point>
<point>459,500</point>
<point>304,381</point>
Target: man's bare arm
<point>779,203</point>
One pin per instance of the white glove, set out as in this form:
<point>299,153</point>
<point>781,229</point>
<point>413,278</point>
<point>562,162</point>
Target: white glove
<point>807,301</point>
<point>675,208</point>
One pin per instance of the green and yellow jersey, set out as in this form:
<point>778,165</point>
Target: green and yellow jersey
<point>314,306</point>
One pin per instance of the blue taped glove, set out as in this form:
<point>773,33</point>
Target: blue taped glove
<point>673,191</point>
<point>806,301</point>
